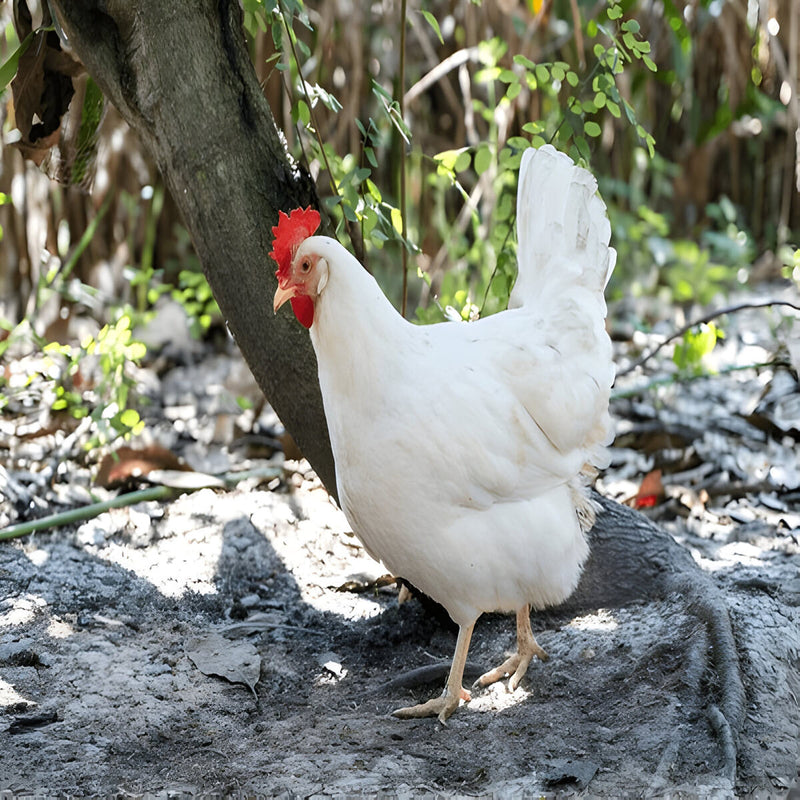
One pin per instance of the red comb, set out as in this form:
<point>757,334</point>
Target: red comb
<point>289,233</point>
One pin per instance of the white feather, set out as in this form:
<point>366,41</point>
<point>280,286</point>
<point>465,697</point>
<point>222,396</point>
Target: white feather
<point>458,447</point>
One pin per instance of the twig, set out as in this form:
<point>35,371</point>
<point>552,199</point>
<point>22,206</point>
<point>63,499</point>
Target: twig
<point>452,62</point>
<point>85,512</point>
<point>706,318</point>
<point>403,158</point>
<point>576,26</point>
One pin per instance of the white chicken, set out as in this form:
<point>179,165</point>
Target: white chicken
<point>461,449</point>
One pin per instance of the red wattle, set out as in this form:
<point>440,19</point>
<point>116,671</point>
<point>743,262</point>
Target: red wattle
<point>303,307</point>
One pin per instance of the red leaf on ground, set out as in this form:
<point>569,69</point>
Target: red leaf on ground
<point>650,491</point>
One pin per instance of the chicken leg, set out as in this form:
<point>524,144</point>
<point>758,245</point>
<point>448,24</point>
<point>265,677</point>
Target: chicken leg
<point>444,705</point>
<point>517,665</point>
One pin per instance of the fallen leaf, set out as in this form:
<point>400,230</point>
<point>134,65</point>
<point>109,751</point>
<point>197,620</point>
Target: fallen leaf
<point>131,462</point>
<point>650,491</point>
<point>236,662</point>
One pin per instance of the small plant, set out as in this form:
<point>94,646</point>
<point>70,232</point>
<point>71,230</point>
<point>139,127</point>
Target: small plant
<point>690,353</point>
<point>91,380</point>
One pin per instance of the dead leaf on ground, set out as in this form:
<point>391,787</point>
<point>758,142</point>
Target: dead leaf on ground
<point>131,462</point>
<point>650,491</point>
<point>236,662</point>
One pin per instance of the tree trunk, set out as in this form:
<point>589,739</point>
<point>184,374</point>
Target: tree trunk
<point>181,76</point>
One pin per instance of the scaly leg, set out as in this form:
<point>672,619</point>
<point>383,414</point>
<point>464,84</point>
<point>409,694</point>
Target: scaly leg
<point>517,665</point>
<point>444,705</point>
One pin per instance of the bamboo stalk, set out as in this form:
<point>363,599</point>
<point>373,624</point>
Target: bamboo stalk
<point>85,512</point>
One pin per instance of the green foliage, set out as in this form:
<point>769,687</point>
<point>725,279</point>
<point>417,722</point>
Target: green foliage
<point>696,344</point>
<point>194,294</point>
<point>790,259</point>
<point>576,104</point>
<point>96,378</point>
<point>90,380</point>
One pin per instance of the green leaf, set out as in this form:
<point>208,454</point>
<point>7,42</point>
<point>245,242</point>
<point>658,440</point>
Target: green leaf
<point>136,351</point>
<point>9,69</point>
<point>695,346</point>
<point>614,12</point>
<point>483,159</point>
<point>448,158</point>
<point>537,126</point>
<point>303,112</point>
<point>630,40</point>
<point>432,21</point>
<point>397,220</point>
<point>542,73</point>
<point>591,128</point>
<point>129,418</point>
<point>463,161</point>
<point>525,62</point>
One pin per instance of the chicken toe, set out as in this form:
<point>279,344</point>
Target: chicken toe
<point>444,705</point>
<point>441,707</point>
<point>517,665</point>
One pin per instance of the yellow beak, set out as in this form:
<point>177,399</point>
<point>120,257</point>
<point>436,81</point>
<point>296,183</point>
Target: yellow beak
<point>282,294</point>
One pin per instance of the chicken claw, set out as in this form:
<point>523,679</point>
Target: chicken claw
<point>517,665</point>
<point>444,705</point>
<point>441,707</point>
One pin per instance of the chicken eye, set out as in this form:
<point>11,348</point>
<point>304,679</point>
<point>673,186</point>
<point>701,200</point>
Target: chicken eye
<point>305,265</point>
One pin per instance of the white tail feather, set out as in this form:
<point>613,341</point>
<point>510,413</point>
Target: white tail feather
<point>565,262</point>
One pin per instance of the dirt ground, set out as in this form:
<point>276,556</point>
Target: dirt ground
<point>238,642</point>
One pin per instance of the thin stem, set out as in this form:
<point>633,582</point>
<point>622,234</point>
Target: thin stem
<point>402,106</point>
<point>706,318</point>
<point>85,512</point>
<point>308,103</point>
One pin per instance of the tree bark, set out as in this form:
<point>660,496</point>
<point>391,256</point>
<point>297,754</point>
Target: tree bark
<point>181,76</point>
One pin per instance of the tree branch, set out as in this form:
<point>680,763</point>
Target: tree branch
<point>720,312</point>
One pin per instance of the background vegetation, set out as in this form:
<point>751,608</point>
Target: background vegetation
<point>686,111</point>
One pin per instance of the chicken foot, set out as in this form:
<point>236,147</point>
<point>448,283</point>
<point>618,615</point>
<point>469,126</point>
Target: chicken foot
<point>444,705</point>
<point>517,665</point>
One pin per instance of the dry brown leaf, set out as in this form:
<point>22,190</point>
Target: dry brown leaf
<point>130,462</point>
<point>42,88</point>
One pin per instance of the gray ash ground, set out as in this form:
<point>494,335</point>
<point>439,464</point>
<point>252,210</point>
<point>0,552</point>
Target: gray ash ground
<point>110,630</point>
